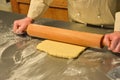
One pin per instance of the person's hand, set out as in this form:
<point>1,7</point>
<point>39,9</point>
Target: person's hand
<point>20,26</point>
<point>112,41</point>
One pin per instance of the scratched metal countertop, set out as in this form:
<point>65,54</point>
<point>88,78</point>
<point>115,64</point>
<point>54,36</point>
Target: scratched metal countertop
<point>20,60</point>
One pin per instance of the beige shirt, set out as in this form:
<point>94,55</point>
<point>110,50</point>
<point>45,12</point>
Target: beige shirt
<point>96,12</point>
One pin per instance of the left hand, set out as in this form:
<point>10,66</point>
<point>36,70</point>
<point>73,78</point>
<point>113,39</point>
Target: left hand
<point>112,41</point>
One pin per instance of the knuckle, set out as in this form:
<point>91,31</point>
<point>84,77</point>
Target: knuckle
<point>116,38</point>
<point>107,35</point>
<point>15,22</point>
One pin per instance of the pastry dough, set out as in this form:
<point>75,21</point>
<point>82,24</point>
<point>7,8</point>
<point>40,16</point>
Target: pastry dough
<point>60,49</point>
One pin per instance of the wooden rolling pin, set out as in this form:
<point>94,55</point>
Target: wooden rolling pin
<point>65,35</point>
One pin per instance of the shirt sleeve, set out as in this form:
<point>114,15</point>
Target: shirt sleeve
<point>37,8</point>
<point>117,22</point>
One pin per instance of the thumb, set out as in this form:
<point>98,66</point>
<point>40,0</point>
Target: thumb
<point>106,40</point>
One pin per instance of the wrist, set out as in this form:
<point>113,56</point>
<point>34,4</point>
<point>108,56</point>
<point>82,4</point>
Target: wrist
<point>29,19</point>
<point>117,31</point>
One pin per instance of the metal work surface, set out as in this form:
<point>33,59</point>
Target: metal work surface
<point>20,60</point>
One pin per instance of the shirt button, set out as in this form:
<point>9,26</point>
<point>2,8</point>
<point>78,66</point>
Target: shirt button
<point>102,26</point>
<point>78,14</point>
<point>99,16</point>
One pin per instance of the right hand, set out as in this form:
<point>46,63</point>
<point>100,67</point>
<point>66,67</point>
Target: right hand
<point>112,41</point>
<point>20,26</point>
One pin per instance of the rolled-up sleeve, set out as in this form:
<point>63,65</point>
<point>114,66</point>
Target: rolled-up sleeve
<point>37,8</point>
<point>117,22</point>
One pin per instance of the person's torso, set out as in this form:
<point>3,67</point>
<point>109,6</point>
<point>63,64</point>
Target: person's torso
<point>97,12</point>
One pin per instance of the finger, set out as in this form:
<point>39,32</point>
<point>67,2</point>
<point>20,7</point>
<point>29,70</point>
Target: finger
<point>106,40</point>
<point>21,29</point>
<point>117,48</point>
<point>19,32</point>
<point>114,44</point>
<point>15,27</point>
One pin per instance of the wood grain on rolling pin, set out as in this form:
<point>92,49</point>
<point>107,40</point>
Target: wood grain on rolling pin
<point>65,35</point>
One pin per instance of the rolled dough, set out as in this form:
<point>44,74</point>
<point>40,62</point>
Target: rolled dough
<point>60,49</point>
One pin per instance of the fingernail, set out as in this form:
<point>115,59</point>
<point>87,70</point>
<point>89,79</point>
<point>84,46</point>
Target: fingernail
<point>18,32</point>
